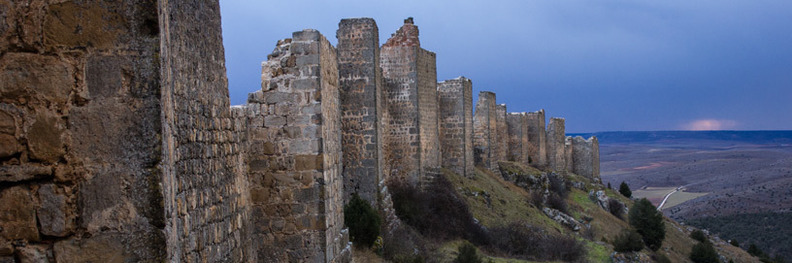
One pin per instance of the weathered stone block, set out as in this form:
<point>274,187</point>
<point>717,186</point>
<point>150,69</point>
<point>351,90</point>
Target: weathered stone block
<point>6,248</point>
<point>34,254</point>
<point>99,248</point>
<point>18,214</point>
<point>75,24</point>
<point>44,138</point>
<point>55,216</point>
<point>29,76</point>
<point>103,76</point>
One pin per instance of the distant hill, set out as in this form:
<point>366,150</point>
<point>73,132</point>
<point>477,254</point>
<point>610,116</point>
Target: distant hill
<point>755,137</point>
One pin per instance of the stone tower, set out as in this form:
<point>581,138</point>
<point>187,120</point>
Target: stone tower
<point>502,145</point>
<point>537,150</point>
<point>518,137</point>
<point>556,140</point>
<point>295,154</point>
<point>455,98</point>
<point>485,131</point>
<point>360,80</point>
<point>410,76</point>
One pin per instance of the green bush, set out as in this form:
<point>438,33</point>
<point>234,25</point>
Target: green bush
<point>624,189</point>
<point>467,254</point>
<point>662,258</point>
<point>628,241</point>
<point>699,236</point>
<point>734,242</point>
<point>703,252</point>
<point>648,222</point>
<point>363,221</point>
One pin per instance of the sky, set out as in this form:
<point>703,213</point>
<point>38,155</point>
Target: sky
<point>602,65</point>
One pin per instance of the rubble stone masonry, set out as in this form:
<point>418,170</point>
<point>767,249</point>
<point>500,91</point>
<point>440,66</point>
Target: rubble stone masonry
<point>411,136</point>
<point>360,80</point>
<point>537,139</point>
<point>556,140</point>
<point>455,98</point>
<point>485,132</point>
<point>294,129</point>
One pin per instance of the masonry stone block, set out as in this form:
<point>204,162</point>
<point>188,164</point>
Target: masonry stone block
<point>18,214</point>
<point>55,214</point>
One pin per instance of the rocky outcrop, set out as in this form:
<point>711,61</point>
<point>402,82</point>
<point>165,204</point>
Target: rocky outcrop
<point>563,219</point>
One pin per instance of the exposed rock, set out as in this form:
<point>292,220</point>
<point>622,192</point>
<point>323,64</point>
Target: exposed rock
<point>633,257</point>
<point>5,259</point>
<point>600,198</point>
<point>34,254</point>
<point>562,218</point>
<point>18,214</point>
<point>28,75</point>
<point>53,214</point>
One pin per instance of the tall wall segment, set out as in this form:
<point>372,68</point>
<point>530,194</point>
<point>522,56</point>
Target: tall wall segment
<point>556,140</point>
<point>485,132</point>
<point>537,139</point>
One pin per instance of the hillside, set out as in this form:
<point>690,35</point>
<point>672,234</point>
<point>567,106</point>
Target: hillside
<point>496,203</point>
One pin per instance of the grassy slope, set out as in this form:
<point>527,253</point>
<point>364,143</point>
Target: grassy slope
<point>508,203</point>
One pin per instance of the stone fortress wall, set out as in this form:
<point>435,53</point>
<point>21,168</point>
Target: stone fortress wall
<point>119,143</point>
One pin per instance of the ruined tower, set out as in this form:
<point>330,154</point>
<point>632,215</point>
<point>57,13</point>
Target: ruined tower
<point>455,98</point>
<point>294,160</point>
<point>410,76</point>
<point>502,145</point>
<point>537,142</point>
<point>517,123</point>
<point>485,131</point>
<point>585,157</point>
<point>360,80</point>
<point>556,140</point>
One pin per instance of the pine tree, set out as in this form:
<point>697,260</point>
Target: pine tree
<point>648,222</point>
<point>624,189</point>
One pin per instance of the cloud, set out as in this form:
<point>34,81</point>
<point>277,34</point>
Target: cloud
<point>709,125</point>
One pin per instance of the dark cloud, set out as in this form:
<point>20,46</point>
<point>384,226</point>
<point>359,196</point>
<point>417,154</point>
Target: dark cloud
<point>604,65</point>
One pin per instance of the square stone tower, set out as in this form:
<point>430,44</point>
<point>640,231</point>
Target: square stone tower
<point>518,137</point>
<point>537,142</point>
<point>295,154</point>
<point>410,76</point>
<point>455,98</point>
<point>361,97</point>
<point>485,131</point>
<point>585,156</point>
<point>502,145</point>
<point>556,140</point>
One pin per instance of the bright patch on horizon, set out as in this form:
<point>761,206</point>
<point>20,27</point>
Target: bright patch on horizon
<point>710,125</point>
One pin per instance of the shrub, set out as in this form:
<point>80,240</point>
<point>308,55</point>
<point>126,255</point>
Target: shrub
<point>703,252</point>
<point>662,258</point>
<point>436,212</point>
<point>363,221</point>
<point>522,241</point>
<point>467,254</point>
<point>624,189</point>
<point>628,241</point>
<point>699,236</point>
<point>557,185</point>
<point>404,244</point>
<point>616,208</point>
<point>557,202</point>
<point>734,242</point>
<point>648,222</point>
<point>754,250</point>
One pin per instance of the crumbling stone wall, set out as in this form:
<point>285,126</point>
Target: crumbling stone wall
<point>295,154</point>
<point>537,139</point>
<point>360,79</point>
<point>410,89</point>
<point>585,157</point>
<point>455,99</point>
<point>485,131</point>
<point>556,139</point>
<point>517,123</point>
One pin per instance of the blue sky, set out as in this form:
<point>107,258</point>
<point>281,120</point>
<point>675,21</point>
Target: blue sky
<point>603,65</point>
